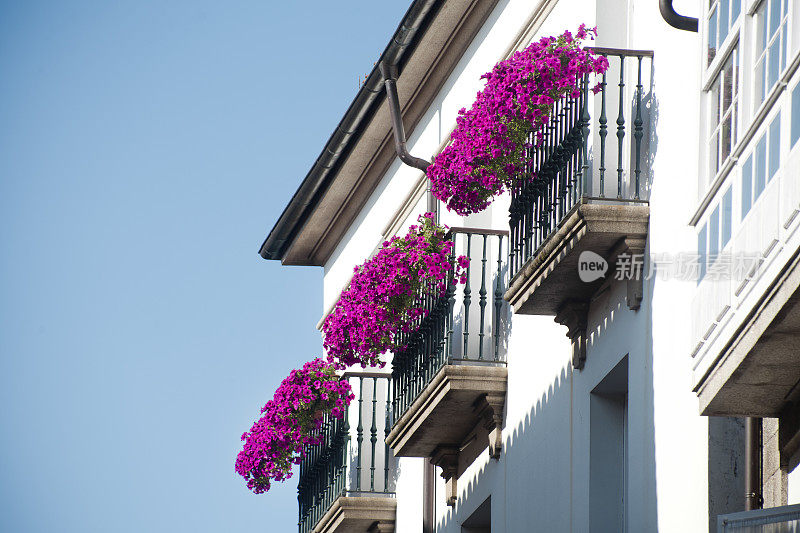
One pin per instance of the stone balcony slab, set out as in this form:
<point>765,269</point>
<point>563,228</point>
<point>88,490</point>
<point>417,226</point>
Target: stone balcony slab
<point>359,514</point>
<point>454,419</point>
<point>549,282</point>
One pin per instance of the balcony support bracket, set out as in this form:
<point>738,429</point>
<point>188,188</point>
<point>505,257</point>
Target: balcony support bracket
<point>381,527</point>
<point>446,458</point>
<point>489,408</point>
<point>573,314</point>
<point>633,271</point>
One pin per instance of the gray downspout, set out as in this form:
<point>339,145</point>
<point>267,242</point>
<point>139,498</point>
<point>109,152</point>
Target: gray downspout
<point>752,466</point>
<point>389,73</point>
<point>674,19</point>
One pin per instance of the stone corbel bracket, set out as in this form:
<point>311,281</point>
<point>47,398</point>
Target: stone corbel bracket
<point>634,247</point>
<point>490,410</point>
<point>574,315</point>
<point>446,458</point>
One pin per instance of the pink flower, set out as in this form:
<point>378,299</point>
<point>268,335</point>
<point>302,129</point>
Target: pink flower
<point>488,146</point>
<point>290,424</point>
<point>386,294</point>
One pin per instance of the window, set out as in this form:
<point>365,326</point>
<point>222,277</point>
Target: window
<point>701,253</point>
<point>608,451</point>
<point>795,115</point>
<point>774,146</point>
<point>771,49</point>
<point>761,165</point>
<point>747,186</point>
<point>724,96</point>
<point>715,234</point>
<point>722,14</point>
<point>479,521</point>
<point>727,217</point>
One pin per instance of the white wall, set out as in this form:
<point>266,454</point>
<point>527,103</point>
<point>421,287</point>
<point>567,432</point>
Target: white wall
<point>541,482</point>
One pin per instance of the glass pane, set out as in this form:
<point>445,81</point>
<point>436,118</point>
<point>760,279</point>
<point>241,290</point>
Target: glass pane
<point>795,135</point>
<point>758,78</point>
<point>701,252</point>
<point>762,27</point>
<point>774,53</point>
<point>723,20</point>
<point>713,234</point>
<point>727,217</point>
<point>774,146</point>
<point>736,7</point>
<point>747,185</point>
<point>761,168</point>
<point>727,85</point>
<point>713,155</point>
<point>715,110</point>
<point>783,47</point>
<point>712,37</point>
<point>725,141</point>
<point>774,16</point>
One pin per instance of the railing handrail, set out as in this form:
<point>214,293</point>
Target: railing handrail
<point>619,52</point>
<point>476,231</point>
<point>561,172</point>
<point>357,374</point>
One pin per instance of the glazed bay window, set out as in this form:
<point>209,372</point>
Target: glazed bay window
<point>721,18</point>
<point>723,107</point>
<point>771,46</point>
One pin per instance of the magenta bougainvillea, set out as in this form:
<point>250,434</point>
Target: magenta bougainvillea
<point>290,423</point>
<point>382,298</point>
<point>508,116</point>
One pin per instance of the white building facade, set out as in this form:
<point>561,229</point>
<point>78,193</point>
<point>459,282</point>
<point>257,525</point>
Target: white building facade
<point>534,400</point>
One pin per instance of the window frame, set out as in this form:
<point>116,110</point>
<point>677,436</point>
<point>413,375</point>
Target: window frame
<point>760,92</point>
<point>716,116</point>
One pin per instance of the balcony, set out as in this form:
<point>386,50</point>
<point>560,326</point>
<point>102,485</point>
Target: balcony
<point>582,202</point>
<point>746,311</point>
<point>346,483</point>
<point>449,383</point>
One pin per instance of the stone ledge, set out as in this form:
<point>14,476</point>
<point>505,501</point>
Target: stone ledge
<point>550,278</point>
<point>454,419</point>
<point>359,514</point>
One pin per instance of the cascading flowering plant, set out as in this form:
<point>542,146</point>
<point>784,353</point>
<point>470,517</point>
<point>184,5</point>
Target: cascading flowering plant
<point>383,298</point>
<point>490,139</point>
<point>290,423</point>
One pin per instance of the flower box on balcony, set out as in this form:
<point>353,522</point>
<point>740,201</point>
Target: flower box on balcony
<point>571,217</point>
<point>449,380</point>
<point>346,482</point>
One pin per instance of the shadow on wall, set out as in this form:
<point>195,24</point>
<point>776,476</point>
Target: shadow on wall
<point>524,447</point>
<point>542,480</point>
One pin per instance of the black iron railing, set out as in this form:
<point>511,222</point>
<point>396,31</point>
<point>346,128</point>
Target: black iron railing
<point>353,458</point>
<point>463,326</point>
<point>570,165</point>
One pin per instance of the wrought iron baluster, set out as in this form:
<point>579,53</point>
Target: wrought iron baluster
<point>451,300</point>
<point>467,297</point>
<point>585,118</point>
<point>482,300</point>
<point>359,431</point>
<point>373,434</point>
<point>345,447</point>
<point>637,125</point>
<point>386,429</point>
<point>620,124</point>
<point>498,298</point>
<point>603,134</point>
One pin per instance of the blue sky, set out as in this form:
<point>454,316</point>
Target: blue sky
<point>146,149</point>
